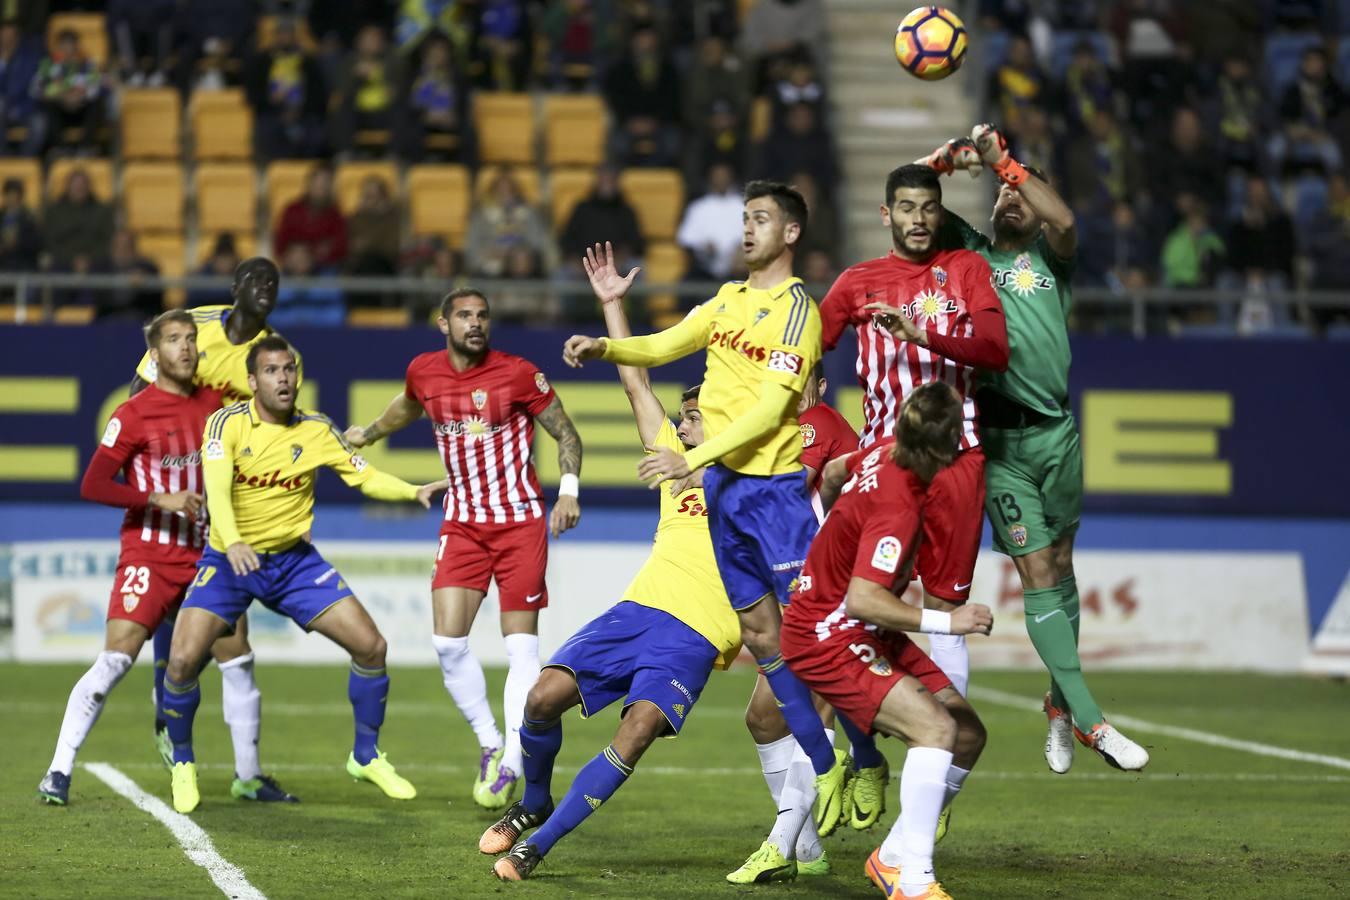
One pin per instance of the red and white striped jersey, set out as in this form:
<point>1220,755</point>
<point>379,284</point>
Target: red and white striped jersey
<point>483,418</point>
<point>155,440</point>
<point>943,295</point>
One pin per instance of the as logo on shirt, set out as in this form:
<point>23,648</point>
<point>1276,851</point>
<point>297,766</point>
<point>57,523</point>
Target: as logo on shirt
<point>886,556</point>
<point>783,361</point>
<point>808,434</point>
<point>111,432</point>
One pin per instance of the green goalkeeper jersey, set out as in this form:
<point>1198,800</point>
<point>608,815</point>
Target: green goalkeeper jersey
<point>1033,286</point>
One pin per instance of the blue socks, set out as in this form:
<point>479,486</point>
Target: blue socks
<point>180,708</point>
<point>367,689</point>
<point>539,745</point>
<point>162,639</point>
<point>595,783</point>
<point>865,752</point>
<point>800,713</point>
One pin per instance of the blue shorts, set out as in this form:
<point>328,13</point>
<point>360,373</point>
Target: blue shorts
<point>639,652</point>
<point>296,582</point>
<point>761,528</point>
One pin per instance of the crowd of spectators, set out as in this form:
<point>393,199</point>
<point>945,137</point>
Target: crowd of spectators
<point>1201,145</point>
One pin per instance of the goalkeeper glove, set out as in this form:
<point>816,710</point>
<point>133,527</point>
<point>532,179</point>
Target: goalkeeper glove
<point>958,153</point>
<point>993,150</point>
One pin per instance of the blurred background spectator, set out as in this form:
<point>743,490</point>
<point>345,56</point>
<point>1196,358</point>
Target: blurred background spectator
<point>603,215</point>
<point>133,300</point>
<point>711,230</point>
<point>436,123</point>
<point>315,220</point>
<point>77,227</point>
<point>69,86</point>
<point>643,92</point>
<point>502,221</point>
<point>19,61</point>
<point>286,90</point>
<point>305,305</point>
<point>373,231</point>
<point>140,32</point>
<point>20,238</point>
<point>368,97</point>
<point>221,263</point>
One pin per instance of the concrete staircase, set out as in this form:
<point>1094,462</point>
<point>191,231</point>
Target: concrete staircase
<point>883,117</point>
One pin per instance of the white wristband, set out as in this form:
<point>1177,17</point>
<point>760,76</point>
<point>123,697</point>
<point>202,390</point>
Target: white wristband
<point>935,621</point>
<point>569,485</point>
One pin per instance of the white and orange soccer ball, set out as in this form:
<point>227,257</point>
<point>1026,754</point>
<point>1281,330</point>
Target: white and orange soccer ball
<point>931,42</point>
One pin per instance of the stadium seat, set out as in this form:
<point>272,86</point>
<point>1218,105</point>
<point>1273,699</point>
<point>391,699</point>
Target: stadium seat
<point>438,202</point>
<point>267,30</point>
<point>100,172</point>
<point>227,197</point>
<point>657,196</point>
<point>285,182</point>
<point>761,119</point>
<point>1283,51</point>
<point>151,123</point>
<point>379,318</point>
<point>566,188</point>
<point>27,171</point>
<point>245,244</point>
<point>665,263</point>
<point>1061,53</point>
<point>152,195</point>
<point>505,125</point>
<point>527,178</point>
<point>91,29</point>
<point>351,175</point>
<point>169,253</point>
<point>222,125</point>
<point>74,315</point>
<point>575,129</point>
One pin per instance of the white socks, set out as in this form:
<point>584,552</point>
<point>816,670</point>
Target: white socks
<point>952,656</point>
<point>792,783</point>
<point>85,703</point>
<point>923,786</point>
<point>956,777</point>
<point>522,656</point>
<point>242,703</point>
<point>463,677</point>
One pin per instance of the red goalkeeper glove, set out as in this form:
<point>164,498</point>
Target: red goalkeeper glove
<point>993,150</point>
<point>958,153</point>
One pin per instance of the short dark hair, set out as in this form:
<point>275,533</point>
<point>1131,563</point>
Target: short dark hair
<point>156,326</point>
<point>912,175</point>
<point>448,301</point>
<point>690,394</point>
<point>273,343</point>
<point>818,372</point>
<point>928,429</point>
<point>785,196</point>
<point>254,262</point>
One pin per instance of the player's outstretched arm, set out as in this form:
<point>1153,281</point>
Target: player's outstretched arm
<point>1044,200</point>
<point>833,479</point>
<point>401,412</point>
<point>567,509</point>
<point>873,603</point>
<point>610,289</point>
<point>647,350</point>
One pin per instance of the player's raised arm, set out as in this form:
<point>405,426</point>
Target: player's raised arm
<point>567,509</point>
<point>352,468</point>
<point>1061,231</point>
<point>401,412</point>
<point>647,350</point>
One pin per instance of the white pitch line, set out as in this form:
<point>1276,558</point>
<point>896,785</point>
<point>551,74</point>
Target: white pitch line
<point>195,842</point>
<point>1018,701</point>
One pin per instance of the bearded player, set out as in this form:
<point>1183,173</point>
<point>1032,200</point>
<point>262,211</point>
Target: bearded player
<point>655,648</point>
<point>483,406</point>
<point>842,633</point>
<point>1034,471</point>
<point>762,341</point>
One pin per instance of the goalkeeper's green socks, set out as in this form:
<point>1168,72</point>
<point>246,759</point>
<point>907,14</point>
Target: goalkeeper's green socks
<point>1055,638</point>
<point>1069,597</point>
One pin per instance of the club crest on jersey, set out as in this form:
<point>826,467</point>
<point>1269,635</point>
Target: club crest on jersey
<point>130,602</point>
<point>808,434</point>
<point>541,382</point>
<point>880,666</point>
<point>1018,534</point>
<point>296,450</point>
<point>1021,279</point>
<point>940,276</point>
<point>479,397</point>
<point>929,305</point>
<point>760,314</point>
<point>248,451</point>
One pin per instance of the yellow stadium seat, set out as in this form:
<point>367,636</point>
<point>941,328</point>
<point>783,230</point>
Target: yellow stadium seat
<point>351,175</point>
<point>566,188</point>
<point>527,179</point>
<point>74,315</point>
<point>267,29</point>
<point>227,197</point>
<point>575,129</point>
<point>285,182</point>
<point>29,314</point>
<point>245,244</point>
<point>657,196</point>
<point>665,263</point>
<point>169,253</point>
<point>152,194</point>
<point>91,29</point>
<point>505,124</point>
<point>379,318</point>
<point>29,173</point>
<point>761,119</point>
<point>151,123</point>
<point>100,172</point>
<point>438,202</point>
<point>222,125</point>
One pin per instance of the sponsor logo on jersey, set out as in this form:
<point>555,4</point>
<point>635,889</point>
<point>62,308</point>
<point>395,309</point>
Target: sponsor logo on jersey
<point>808,434</point>
<point>886,556</point>
<point>784,361</point>
<point>269,480</point>
<point>111,432</point>
<point>929,305</point>
<point>190,460</point>
<point>692,504</point>
<point>736,341</point>
<point>675,683</point>
<point>214,449</point>
<point>1021,279</point>
<point>541,382</point>
<point>1018,534</point>
<point>479,397</point>
<point>940,276</point>
<point>473,427</point>
<point>130,602</point>
<point>788,566</point>
<point>880,666</point>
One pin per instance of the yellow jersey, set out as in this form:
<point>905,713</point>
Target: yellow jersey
<point>752,336</point>
<point>221,366</point>
<point>680,577</point>
<point>260,477</point>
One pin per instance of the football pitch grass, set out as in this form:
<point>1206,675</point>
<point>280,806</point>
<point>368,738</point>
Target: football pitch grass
<point>1202,821</point>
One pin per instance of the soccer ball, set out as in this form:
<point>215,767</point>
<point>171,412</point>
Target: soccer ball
<point>931,43</point>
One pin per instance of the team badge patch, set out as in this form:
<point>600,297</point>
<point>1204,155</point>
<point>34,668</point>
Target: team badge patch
<point>940,276</point>
<point>1018,534</point>
<point>479,397</point>
<point>886,556</point>
<point>808,434</point>
<point>296,450</point>
<point>880,666</point>
<point>130,602</point>
<point>214,449</point>
<point>541,382</point>
<point>111,432</point>
<point>760,314</point>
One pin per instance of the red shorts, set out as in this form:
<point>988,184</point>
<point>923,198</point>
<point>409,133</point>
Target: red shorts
<point>148,591</point>
<point>472,554</point>
<point>953,518</point>
<point>854,670</point>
